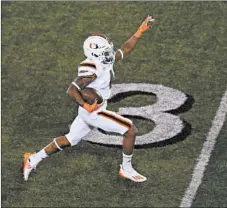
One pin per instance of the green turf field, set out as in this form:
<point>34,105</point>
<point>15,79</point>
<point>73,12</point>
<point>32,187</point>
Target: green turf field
<point>41,48</point>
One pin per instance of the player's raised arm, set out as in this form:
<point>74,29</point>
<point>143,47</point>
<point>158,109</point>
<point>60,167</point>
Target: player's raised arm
<point>130,44</point>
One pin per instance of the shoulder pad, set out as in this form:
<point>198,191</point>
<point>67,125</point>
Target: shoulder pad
<point>87,65</point>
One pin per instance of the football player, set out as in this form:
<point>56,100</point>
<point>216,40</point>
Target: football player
<point>96,71</point>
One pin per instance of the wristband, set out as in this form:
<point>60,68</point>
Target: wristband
<point>121,52</point>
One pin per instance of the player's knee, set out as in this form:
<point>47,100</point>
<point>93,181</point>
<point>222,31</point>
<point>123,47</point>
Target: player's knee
<point>131,131</point>
<point>62,142</point>
<point>72,139</point>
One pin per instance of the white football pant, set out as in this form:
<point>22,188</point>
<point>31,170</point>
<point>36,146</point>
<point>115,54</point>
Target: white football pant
<point>106,120</point>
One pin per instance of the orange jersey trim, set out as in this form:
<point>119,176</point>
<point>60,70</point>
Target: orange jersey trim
<point>89,65</point>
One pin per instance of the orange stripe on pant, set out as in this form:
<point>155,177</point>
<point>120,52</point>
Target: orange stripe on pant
<point>115,119</point>
<point>118,117</point>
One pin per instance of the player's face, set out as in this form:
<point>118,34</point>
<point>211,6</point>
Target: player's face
<point>109,56</point>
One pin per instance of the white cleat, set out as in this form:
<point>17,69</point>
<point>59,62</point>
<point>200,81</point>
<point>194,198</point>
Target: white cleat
<point>26,166</point>
<point>131,175</point>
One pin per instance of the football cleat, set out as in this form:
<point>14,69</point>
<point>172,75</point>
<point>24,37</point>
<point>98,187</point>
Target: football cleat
<point>131,175</point>
<point>26,166</point>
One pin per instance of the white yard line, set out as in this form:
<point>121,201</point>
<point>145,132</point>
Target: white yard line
<point>205,154</point>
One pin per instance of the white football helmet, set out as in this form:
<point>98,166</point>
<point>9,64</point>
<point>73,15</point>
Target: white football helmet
<point>98,47</point>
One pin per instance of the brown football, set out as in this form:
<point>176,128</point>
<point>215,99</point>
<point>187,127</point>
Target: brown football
<point>90,94</point>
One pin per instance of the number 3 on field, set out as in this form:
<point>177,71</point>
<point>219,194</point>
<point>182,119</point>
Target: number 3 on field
<point>166,125</point>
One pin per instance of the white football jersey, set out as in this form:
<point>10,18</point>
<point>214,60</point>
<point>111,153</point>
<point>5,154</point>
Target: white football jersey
<point>104,73</point>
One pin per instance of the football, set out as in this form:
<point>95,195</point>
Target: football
<point>90,94</point>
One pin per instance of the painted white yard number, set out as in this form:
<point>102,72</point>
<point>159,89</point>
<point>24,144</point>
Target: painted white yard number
<point>166,125</point>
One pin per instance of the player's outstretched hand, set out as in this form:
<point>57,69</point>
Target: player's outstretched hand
<point>91,108</point>
<point>146,25</point>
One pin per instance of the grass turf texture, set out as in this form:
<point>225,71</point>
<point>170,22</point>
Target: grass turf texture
<point>41,47</point>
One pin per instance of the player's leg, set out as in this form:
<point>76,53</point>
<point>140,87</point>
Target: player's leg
<point>78,130</point>
<point>112,122</point>
<point>126,169</point>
